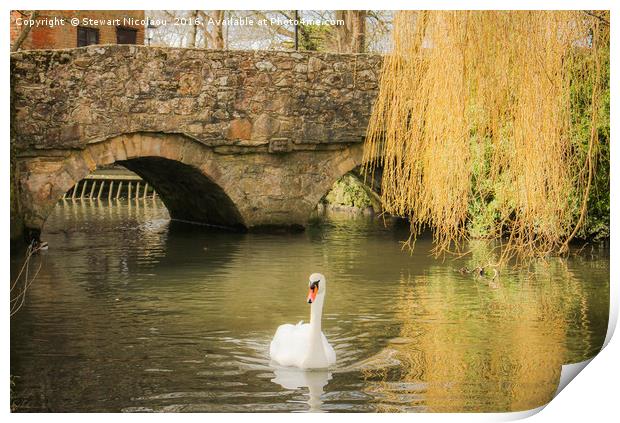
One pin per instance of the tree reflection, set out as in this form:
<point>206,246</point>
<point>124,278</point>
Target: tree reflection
<point>486,347</point>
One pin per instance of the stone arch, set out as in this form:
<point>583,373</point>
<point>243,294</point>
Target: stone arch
<point>183,171</point>
<point>348,160</point>
<point>339,164</point>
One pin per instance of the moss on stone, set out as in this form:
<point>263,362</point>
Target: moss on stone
<point>350,192</point>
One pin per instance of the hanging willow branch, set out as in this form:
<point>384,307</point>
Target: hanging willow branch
<point>474,116</point>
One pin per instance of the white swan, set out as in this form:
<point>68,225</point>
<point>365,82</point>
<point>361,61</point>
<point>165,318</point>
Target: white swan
<point>303,345</point>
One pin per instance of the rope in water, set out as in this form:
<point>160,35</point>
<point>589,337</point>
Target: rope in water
<point>18,300</point>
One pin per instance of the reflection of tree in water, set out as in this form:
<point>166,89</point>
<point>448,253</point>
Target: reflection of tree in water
<point>489,347</point>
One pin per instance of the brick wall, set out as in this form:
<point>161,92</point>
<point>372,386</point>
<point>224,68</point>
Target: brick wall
<point>46,36</point>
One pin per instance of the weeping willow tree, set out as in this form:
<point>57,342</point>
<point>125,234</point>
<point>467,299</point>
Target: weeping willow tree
<point>476,121</point>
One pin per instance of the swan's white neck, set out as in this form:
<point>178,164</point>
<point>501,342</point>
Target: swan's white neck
<point>315,355</point>
<point>316,310</point>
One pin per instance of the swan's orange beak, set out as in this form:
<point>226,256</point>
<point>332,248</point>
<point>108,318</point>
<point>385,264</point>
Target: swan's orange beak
<point>312,294</point>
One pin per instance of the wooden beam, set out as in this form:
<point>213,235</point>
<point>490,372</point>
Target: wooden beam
<point>100,189</point>
<point>83,190</point>
<point>92,190</point>
<point>118,192</point>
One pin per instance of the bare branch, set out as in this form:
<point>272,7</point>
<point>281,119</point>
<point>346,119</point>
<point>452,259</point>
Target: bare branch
<point>24,33</point>
<point>280,30</point>
<point>594,15</point>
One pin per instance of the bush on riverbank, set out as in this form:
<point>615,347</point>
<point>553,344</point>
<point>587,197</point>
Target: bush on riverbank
<point>348,191</point>
<point>483,211</point>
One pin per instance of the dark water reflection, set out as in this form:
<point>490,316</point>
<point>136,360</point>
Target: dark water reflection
<point>131,314</point>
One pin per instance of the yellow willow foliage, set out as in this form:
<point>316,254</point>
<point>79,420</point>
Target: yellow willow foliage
<point>475,105</point>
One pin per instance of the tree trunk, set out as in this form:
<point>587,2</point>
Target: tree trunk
<point>191,40</point>
<point>358,31</point>
<point>217,33</point>
<point>24,33</point>
<point>213,28</point>
<point>351,37</point>
<point>342,34</point>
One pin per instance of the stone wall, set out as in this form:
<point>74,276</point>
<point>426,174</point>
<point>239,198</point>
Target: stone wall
<point>232,100</point>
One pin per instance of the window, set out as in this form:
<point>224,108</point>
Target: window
<point>126,35</point>
<point>87,36</point>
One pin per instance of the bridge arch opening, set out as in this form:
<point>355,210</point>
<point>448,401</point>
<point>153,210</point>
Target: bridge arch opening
<point>189,195</point>
<point>353,191</point>
<point>179,170</point>
<point>351,194</point>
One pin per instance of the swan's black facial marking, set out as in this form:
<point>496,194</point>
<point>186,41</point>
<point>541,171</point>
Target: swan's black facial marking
<point>314,289</point>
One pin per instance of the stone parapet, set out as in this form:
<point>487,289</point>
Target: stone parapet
<point>258,101</point>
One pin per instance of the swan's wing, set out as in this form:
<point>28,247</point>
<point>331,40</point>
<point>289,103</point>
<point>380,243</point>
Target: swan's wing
<point>279,338</point>
<point>330,353</point>
<point>282,333</point>
<point>289,344</point>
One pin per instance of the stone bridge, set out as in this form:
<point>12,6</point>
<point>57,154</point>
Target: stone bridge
<point>232,138</point>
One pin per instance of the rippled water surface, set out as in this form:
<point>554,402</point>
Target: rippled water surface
<point>132,313</point>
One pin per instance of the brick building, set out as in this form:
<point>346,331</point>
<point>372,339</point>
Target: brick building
<point>56,29</point>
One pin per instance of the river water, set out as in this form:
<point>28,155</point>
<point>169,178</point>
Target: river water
<point>131,313</point>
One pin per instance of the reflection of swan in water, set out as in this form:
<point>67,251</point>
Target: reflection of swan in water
<point>315,381</point>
